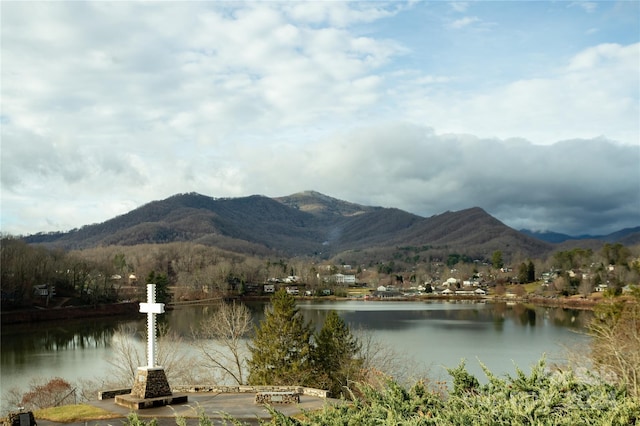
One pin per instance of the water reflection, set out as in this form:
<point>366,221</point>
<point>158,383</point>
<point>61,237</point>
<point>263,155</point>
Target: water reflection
<point>443,332</point>
<point>71,335</point>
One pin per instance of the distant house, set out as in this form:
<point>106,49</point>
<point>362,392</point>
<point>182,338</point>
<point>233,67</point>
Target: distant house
<point>41,290</point>
<point>269,288</point>
<point>386,293</point>
<point>450,282</point>
<point>446,291</point>
<point>602,287</point>
<point>343,279</point>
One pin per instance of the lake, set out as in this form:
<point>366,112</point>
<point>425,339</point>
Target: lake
<point>426,335</point>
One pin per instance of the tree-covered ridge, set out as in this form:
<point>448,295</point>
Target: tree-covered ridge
<point>309,224</point>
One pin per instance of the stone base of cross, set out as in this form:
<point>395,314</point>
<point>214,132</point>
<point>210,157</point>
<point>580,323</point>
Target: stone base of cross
<point>150,388</point>
<point>151,382</point>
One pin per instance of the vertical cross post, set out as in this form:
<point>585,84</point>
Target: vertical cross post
<point>150,387</point>
<point>151,308</point>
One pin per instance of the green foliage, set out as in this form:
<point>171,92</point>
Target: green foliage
<point>454,258</point>
<point>526,272</point>
<point>134,420</point>
<point>531,272</point>
<point>540,398</point>
<point>496,259</point>
<point>522,273</point>
<point>463,382</point>
<point>162,286</point>
<point>334,356</point>
<point>384,268</point>
<point>280,350</point>
<point>615,254</point>
<point>572,259</point>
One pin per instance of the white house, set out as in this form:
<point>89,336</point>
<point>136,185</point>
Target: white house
<point>344,279</point>
<point>269,288</point>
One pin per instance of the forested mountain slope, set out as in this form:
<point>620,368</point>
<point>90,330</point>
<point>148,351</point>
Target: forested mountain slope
<point>303,224</point>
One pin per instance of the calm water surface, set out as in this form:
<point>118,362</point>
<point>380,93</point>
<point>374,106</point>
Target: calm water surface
<point>430,334</point>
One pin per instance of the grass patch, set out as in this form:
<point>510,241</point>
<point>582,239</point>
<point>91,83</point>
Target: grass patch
<point>356,292</point>
<point>73,413</point>
<point>532,287</point>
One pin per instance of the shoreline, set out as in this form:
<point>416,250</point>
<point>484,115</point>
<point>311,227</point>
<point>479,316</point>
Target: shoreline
<point>35,315</point>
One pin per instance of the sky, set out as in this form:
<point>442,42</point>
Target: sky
<point>530,110</point>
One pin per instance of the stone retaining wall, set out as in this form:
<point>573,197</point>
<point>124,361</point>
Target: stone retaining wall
<point>277,398</point>
<point>110,394</point>
<point>300,390</point>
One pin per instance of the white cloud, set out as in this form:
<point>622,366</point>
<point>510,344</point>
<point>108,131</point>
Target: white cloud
<point>341,14</point>
<point>587,6</point>
<point>464,22</point>
<point>106,106</point>
<point>595,94</point>
<point>459,6</point>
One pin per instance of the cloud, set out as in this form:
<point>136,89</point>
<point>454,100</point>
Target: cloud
<point>595,93</point>
<point>569,186</point>
<point>587,6</point>
<point>107,106</point>
<point>459,6</point>
<point>464,22</point>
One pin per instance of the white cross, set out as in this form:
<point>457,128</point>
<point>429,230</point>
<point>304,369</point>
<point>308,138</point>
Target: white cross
<point>151,308</point>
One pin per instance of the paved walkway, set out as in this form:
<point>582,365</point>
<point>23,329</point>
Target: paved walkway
<point>240,406</point>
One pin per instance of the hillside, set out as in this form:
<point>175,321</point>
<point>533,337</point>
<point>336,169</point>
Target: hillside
<point>302,224</point>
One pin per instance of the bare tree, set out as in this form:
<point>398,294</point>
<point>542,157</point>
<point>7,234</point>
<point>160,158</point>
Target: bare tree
<point>180,366</point>
<point>615,348</point>
<point>44,393</point>
<point>221,340</point>
<point>381,361</point>
<point>586,287</point>
<point>126,355</point>
<point>129,353</point>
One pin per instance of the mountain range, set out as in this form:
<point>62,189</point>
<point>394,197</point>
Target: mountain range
<point>308,224</point>
<point>627,236</point>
